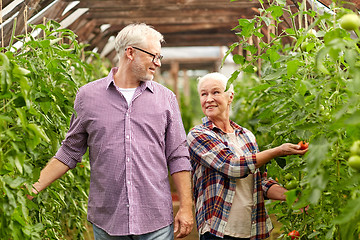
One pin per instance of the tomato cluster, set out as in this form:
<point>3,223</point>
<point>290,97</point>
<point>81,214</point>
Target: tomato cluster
<point>292,182</point>
<point>294,234</point>
<point>354,159</point>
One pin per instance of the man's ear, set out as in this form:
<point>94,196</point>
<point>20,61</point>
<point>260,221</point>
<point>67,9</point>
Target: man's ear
<point>129,53</point>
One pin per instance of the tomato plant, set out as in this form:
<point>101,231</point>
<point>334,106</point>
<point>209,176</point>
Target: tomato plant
<point>38,85</point>
<point>312,95</point>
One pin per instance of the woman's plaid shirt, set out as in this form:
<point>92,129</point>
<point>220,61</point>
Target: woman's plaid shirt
<point>215,169</point>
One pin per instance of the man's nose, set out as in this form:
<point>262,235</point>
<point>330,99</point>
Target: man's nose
<point>157,62</point>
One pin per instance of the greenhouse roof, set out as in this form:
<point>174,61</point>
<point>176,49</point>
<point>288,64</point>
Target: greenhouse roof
<point>182,22</point>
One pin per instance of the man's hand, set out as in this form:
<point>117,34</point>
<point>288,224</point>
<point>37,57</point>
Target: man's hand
<point>184,222</point>
<point>31,197</point>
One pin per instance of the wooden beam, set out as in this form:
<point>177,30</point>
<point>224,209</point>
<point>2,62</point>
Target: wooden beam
<point>29,6</point>
<point>166,5</point>
<point>85,30</point>
<point>53,13</point>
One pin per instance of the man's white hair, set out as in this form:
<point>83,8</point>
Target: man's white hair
<point>216,76</point>
<point>136,34</point>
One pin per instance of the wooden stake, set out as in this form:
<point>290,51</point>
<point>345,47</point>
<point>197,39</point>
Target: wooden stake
<point>306,16</point>
<point>44,22</point>
<point>2,29</point>
<point>25,19</point>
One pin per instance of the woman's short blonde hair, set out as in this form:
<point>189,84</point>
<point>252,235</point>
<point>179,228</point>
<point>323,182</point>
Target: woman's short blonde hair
<point>216,76</point>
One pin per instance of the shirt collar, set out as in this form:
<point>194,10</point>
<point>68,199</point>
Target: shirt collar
<point>143,85</point>
<point>209,124</point>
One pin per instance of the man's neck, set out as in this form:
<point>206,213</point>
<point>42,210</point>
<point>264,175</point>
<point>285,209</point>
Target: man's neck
<point>124,79</point>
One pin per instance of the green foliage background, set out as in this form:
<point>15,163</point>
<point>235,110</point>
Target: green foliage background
<point>308,90</point>
<point>38,86</point>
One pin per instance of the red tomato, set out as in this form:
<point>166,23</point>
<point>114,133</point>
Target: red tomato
<point>294,234</point>
<point>303,145</point>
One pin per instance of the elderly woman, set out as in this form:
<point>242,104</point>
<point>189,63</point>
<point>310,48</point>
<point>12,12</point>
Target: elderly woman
<point>229,189</point>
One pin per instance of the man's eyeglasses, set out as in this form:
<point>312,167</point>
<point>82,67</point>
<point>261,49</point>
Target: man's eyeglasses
<point>156,57</point>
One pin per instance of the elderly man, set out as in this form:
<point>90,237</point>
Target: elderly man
<point>133,129</point>
<point>229,189</point>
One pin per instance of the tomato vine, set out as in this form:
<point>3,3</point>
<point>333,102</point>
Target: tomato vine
<point>39,81</point>
<point>307,90</point>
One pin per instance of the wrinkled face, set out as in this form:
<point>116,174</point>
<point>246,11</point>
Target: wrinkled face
<point>214,101</point>
<point>143,65</point>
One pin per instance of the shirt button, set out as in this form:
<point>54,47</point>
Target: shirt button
<point>128,205</point>
<point>128,159</point>
<point>127,136</point>
<point>129,182</point>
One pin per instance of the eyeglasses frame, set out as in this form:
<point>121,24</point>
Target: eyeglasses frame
<point>155,56</point>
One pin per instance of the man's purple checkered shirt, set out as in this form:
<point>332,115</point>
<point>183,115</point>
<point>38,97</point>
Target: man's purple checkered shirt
<point>132,149</point>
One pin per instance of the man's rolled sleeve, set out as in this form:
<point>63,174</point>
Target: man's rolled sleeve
<point>177,152</point>
<point>75,143</point>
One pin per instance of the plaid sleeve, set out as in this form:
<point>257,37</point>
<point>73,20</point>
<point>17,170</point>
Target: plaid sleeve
<point>266,184</point>
<point>212,152</point>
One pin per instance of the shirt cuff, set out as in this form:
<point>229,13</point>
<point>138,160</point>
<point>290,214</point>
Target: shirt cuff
<point>63,157</point>
<point>179,165</point>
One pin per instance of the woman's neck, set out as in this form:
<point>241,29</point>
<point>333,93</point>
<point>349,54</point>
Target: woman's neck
<point>223,124</point>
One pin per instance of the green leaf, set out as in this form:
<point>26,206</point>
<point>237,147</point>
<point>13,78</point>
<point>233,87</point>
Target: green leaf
<point>19,102</point>
<point>290,31</point>
<point>239,59</point>
<point>260,87</point>
<point>266,20</point>
<point>14,183</point>
<point>276,75</point>
<point>19,162</point>
<point>276,11</point>
<point>320,58</point>
<point>350,56</point>
<point>38,131</point>
<point>20,71</point>
<point>354,119</point>
<point>54,41</point>
<point>249,69</point>
<point>291,197</point>
<point>22,116</point>
<point>351,209</point>
<point>292,67</point>
<point>5,118</point>
<point>45,43</point>
<point>232,78</point>
<point>18,217</point>
<point>299,99</point>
